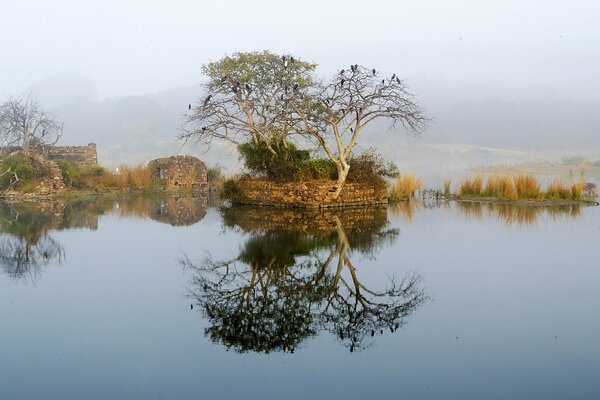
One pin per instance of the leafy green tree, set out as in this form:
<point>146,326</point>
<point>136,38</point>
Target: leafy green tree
<point>248,97</point>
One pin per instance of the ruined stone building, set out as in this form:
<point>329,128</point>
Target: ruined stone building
<point>180,171</point>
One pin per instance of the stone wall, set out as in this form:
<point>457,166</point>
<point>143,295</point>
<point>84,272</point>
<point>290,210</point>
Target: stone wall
<point>311,194</point>
<point>180,171</point>
<point>82,155</point>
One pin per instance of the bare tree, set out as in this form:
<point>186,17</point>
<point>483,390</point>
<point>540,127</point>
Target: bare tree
<point>248,97</point>
<point>337,111</point>
<point>23,123</point>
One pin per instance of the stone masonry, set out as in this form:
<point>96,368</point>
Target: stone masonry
<point>310,194</point>
<point>180,171</point>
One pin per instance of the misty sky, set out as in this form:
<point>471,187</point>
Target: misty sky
<point>528,67</point>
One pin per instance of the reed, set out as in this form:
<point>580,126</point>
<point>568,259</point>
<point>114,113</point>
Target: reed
<point>471,186</point>
<point>577,190</point>
<point>447,184</point>
<point>404,188</point>
<point>501,187</point>
<point>528,187</point>
<point>558,189</point>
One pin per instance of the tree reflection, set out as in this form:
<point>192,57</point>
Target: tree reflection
<point>25,244</point>
<point>293,280</point>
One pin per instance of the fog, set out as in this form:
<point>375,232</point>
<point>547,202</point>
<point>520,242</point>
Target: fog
<point>513,75</point>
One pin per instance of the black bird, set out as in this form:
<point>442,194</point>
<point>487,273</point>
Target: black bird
<point>282,96</point>
<point>342,72</point>
<point>283,58</point>
<point>342,82</point>
<point>235,89</point>
<point>383,81</point>
<point>203,128</point>
<point>189,108</point>
<point>355,67</point>
<point>352,348</point>
<point>351,68</point>
<point>351,130</point>
<point>295,86</point>
<point>398,80</point>
<point>191,306</point>
<point>374,71</point>
<point>393,76</point>
<point>342,111</point>
<point>292,60</point>
<point>248,87</point>
<point>372,333</point>
<point>223,79</point>
<point>207,99</point>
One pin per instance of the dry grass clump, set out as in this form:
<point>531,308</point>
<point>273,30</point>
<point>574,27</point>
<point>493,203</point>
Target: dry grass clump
<point>577,190</point>
<point>501,187</point>
<point>558,189</point>
<point>137,177</point>
<point>404,187</point>
<point>527,187</point>
<point>447,184</point>
<point>471,186</point>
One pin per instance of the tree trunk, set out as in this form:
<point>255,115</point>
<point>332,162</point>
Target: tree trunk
<point>342,168</point>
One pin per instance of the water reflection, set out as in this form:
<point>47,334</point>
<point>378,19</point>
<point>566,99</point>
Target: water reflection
<point>518,215</point>
<point>26,241</point>
<point>506,213</point>
<point>294,277</point>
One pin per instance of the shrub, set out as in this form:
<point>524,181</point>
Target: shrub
<point>286,165</point>
<point>370,167</point>
<point>19,164</point>
<point>79,176</point>
<point>232,191</point>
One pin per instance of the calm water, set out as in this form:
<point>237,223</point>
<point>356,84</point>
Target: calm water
<point>150,298</point>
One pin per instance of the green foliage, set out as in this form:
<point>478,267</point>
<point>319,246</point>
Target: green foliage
<point>287,165</point>
<point>292,164</point>
<point>257,68</point>
<point>369,167</point>
<point>77,176</point>
<point>19,164</point>
<point>232,191</point>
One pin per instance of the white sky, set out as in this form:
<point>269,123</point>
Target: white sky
<point>134,47</point>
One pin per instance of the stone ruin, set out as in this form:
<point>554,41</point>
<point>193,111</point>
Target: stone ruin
<point>180,171</point>
<point>81,155</point>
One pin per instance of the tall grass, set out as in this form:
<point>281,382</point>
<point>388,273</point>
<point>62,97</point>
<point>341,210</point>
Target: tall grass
<point>404,187</point>
<point>558,189</point>
<point>501,187</point>
<point>471,186</point>
<point>528,187</point>
<point>447,184</point>
<point>577,190</point>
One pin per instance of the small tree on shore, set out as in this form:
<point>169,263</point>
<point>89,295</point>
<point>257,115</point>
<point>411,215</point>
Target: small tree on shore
<point>23,123</point>
<point>338,110</point>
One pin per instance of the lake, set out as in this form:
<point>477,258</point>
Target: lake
<point>167,298</point>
